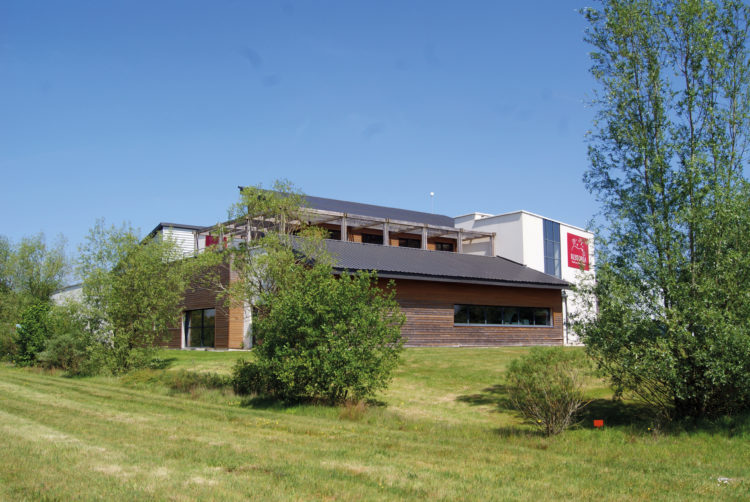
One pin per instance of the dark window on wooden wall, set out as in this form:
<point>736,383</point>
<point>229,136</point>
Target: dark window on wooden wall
<point>501,316</point>
<point>334,234</point>
<point>372,239</point>
<point>200,328</point>
<point>444,246</point>
<point>409,243</point>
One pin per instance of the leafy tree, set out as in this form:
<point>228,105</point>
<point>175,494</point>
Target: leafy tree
<point>132,291</point>
<point>667,163</point>
<point>32,334</point>
<point>30,272</point>
<point>318,336</point>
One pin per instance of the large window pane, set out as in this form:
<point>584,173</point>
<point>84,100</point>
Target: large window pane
<point>510,315</point>
<point>494,315</point>
<point>476,315</point>
<point>526,316</point>
<point>200,327</point>
<point>460,314</point>
<point>541,317</point>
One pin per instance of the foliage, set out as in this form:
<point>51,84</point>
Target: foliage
<point>33,333</point>
<point>30,271</point>
<point>8,347</point>
<point>71,346</point>
<point>249,378</point>
<point>318,336</point>
<point>328,337</point>
<point>132,292</point>
<point>546,387</point>
<point>667,159</point>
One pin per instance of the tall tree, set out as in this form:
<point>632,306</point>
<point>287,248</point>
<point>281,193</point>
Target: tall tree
<point>132,292</point>
<point>667,163</point>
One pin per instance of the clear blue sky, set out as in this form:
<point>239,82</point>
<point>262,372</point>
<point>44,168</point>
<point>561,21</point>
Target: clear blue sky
<point>150,111</point>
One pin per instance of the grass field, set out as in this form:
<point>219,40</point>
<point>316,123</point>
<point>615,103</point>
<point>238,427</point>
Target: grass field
<point>442,431</point>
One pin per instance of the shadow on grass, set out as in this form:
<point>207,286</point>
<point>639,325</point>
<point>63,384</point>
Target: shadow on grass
<point>614,412</point>
<point>495,396</point>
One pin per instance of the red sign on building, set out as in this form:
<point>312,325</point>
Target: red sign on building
<point>578,252</point>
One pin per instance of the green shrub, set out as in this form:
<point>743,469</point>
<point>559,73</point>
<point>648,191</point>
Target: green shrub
<point>546,387</point>
<point>74,353</point>
<point>249,378</point>
<point>8,347</point>
<point>32,334</point>
<point>328,338</point>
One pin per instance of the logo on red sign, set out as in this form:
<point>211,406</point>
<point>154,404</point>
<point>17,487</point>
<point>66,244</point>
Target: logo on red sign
<point>578,252</point>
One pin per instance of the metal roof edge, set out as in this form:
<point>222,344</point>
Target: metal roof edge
<point>486,282</point>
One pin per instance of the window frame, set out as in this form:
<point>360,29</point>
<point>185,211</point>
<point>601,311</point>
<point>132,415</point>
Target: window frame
<point>500,311</point>
<point>203,328</point>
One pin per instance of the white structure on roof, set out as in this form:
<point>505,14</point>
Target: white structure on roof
<point>546,245</point>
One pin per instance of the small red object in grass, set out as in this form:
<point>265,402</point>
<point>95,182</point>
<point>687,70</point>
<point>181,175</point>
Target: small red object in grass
<point>598,423</point>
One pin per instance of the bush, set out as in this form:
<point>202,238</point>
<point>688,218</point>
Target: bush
<point>248,378</point>
<point>546,387</point>
<point>32,334</point>
<point>328,338</point>
<point>8,347</point>
<point>72,352</point>
<point>70,346</point>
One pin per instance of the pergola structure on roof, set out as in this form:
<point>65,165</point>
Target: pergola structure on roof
<point>251,227</point>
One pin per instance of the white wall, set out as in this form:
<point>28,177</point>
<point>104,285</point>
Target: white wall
<point>183,237</point>
<point>507,228</point>
<point>72,293</point>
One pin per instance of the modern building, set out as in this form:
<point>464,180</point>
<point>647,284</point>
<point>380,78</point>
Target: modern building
<point>555,248</point>
<point>474,280</point>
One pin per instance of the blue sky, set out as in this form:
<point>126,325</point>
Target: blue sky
<point>149,111</point>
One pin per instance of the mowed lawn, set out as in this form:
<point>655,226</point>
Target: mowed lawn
<point>442,431</point>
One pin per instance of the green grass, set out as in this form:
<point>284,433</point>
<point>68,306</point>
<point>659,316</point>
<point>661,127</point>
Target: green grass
<point>442,432</point>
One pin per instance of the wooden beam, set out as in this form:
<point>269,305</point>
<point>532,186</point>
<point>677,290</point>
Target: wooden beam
<point>460,240</point>
<point>344,236</point>
<point>424,237</point>
<point>386,234</point>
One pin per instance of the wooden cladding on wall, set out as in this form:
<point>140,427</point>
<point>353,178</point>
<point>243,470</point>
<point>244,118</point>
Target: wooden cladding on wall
<point>428,307</point>
<point>393,236</point>
<point>229,322</point>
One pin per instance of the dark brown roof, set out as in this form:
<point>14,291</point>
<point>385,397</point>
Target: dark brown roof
<point>398,262</point>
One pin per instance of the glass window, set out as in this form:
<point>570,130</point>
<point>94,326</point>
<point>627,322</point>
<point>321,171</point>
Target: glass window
<point>334,234</point>
<point>510,315</point>
<point>461,314</point>
<point>552,263</point>
<point>497,315</point>
<point>541,317</point>
<point>372,239</point>
<point>444,246</point>
<point>409,243</point>
<point>526,316</point>
<point>494,315</point>
<point>200,328</point>
<point>476,315</point>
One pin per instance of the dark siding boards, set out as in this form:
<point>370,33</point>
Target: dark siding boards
<point>429,314</point>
